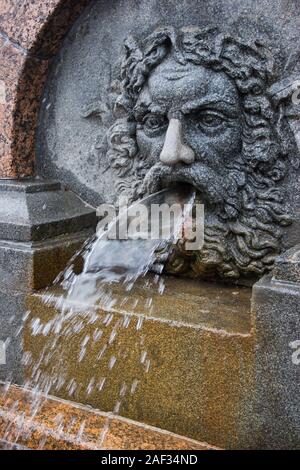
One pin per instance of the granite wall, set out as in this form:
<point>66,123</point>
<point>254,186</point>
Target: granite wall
<point>31,32</point>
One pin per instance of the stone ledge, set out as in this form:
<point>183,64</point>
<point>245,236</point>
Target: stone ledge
<point>287,267</point>
<point>29,185</point>
<point>57,425</point>
<point>34,210</point>
<point>34,265</point>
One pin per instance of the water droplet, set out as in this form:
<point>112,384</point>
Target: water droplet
<point>97,334</point>
<point>112,362</point>
<point>101,384</point>
<point>143,357</point>
<point>112,337</point>
<point>147,365</point>
<point>90,386</point>
<point>139,323</point>
<point>134,386</point>
<point>123,390</point>
<point>117,407</point>
<point>126,321</point>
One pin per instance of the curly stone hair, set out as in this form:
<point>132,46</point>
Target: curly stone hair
<point>248,235</point>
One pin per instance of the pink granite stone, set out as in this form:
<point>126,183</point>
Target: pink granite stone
<point>31,32</point>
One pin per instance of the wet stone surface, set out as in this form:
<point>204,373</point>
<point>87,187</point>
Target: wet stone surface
<point>182,360</point>
<point>62,425</point>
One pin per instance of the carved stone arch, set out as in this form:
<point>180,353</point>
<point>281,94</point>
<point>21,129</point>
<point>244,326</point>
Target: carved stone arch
<point>31,32</point>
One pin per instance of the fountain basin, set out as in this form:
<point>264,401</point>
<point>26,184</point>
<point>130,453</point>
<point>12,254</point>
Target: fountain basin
<point>186,367</point>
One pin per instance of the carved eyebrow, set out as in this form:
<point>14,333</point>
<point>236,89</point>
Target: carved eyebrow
<point>226,105</point>
<point>142,108</point>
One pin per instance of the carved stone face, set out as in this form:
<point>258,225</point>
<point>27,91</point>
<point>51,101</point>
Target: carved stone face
<point>193,106</point>
<point>196,109</point>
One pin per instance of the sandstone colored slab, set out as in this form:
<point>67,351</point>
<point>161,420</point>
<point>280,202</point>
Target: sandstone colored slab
<point>62,425</point>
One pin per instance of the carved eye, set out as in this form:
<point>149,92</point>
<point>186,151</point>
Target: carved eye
<point>209,119</point>
<point>154,122</point>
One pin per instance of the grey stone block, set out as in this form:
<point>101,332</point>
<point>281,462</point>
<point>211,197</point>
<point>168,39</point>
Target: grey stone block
<point>276,313</point>
<point>33,210</point>
<point>12,311</point>
<point>287,268</point>
<point>41,227</point>
<point>26,266</point>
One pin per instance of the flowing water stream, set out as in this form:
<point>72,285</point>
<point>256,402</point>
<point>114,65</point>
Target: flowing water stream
<point>85,301</point>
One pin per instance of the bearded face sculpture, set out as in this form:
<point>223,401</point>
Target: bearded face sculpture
<point>194,108</point>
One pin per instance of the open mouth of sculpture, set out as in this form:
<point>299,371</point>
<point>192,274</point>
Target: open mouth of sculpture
<point>201,178</point>
<point>172,183</point>
<point>183,187</point>
<point>177,184</point>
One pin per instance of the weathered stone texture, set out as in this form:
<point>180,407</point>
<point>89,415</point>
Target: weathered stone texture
<point>200,350</point>
<point>30,34</point>
<point>101,430</point>
<point>41,227</point>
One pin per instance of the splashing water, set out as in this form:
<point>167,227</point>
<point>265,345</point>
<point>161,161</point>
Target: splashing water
<point>109,261</point>
<point>106,262</point>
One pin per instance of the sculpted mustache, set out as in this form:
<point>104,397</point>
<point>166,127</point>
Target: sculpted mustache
<point>202,177</point>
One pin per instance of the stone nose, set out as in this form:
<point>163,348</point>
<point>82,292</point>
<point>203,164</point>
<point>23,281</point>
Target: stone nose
<point>174,150</point>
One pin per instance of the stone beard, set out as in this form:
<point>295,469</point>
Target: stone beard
<point>194,108</point>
